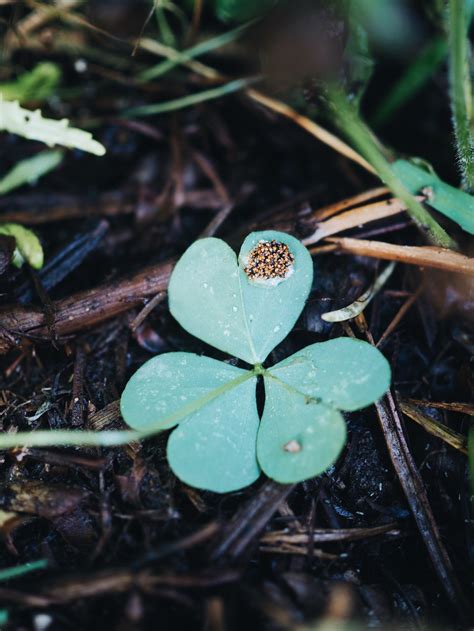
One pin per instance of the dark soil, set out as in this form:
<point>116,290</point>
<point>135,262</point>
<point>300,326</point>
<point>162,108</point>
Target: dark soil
<point>128,545</point>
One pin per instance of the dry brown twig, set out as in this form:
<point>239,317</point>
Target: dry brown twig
<point>446,434</point>
<point>424,256</point>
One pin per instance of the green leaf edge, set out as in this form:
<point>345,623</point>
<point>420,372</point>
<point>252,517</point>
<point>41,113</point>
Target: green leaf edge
<point>455,204</point>
<point>304,264</point>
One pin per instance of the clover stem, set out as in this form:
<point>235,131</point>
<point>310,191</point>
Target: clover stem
<point>349,121</point>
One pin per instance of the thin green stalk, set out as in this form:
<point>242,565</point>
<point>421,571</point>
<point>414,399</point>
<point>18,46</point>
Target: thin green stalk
<point>165,30</point>
<point>19,570</point>
<point>193,52</point>
<point>191,99</point>
<point>68,438</point>
<point>460,88</point>
<point>113,438</point>
<point>413,79</point>
<point>350,123</point>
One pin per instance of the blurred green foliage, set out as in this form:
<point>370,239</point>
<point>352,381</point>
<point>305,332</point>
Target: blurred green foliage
<point>28,171</point>
<point>241,10</point>
<point>28,248</point>
<point>36,85</point>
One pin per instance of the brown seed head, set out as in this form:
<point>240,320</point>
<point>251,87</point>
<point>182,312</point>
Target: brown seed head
<point>269,259</point>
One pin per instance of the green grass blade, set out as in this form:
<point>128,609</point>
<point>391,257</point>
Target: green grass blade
<point>350,123</point>
<point>67,438</point>
<point>193,52</point>
<point>20,570</point>
<point>414,78</point>
<point>29,170</point>
<point>191,99</point>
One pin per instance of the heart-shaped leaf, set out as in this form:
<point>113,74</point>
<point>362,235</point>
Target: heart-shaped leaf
<point>215,445</point>
<point>171,386</point>
<point>215,448</point>
<point>212,297</point>
<point>298,437</point>
<point>344,373</point>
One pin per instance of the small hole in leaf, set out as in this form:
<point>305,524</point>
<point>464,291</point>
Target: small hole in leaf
<point>292,447</point>
<point>269,261</point>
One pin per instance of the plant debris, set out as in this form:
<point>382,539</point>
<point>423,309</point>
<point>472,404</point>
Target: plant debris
<point>384,538</point>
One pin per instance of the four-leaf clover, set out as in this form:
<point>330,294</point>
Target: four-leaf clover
<point>245,307</point>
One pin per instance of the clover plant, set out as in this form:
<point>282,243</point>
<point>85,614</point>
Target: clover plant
<point>245,306</point>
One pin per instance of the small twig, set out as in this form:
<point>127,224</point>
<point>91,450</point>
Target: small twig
<point>349,202</point>
<point>216,222</point>
<point>415,492</point>
<point>406,306</point>
<point>250,520</point>
<point>36,19</point>
<point>328,535</point>
<point>462,408</point>
<point>85,309</point>
<point>147,309</point>
<point>448,435</point>
<point>311,127</point>
<point>355,217</point>
<point>210,172</point>
<point>426,256</point>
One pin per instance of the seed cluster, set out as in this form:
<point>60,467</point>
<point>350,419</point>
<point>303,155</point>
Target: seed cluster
<point>269,259</point>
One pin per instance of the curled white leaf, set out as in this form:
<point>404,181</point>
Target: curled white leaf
<point>356,307</point>
<point>32,125</point>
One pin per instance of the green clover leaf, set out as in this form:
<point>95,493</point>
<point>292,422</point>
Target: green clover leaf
<point>245,306</point>
<point>214,446</point>
<point>211,296</point>
<point>310,388</point>
<point>299,437</point>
